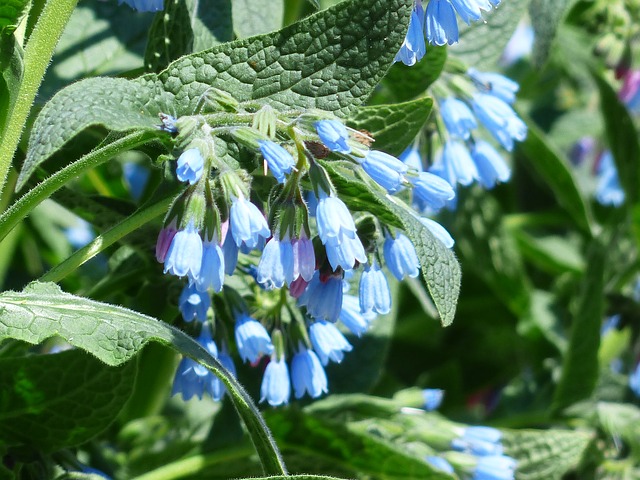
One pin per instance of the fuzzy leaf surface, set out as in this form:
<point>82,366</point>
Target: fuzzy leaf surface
<point>83,401</point>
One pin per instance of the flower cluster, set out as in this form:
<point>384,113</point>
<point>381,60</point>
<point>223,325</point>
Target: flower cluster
<point>301,255</point>
<point>439,24</point>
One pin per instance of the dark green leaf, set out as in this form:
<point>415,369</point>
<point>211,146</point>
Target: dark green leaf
<point>187,26</point>
<point>255,17</point>
<point>580,365</point>
<point>393,127</point>
<point>331,60</point>
<point>552,253</point>
<point>407,83</point>
<point>482,44</point>
<point>46,415</point>
<point>114,335</point>
<point>546,455</point>
<point>11,69</point>
<point>623,139</point>
<point>554,168</point>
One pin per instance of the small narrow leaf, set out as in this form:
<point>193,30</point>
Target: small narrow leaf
<point>393,127</point>
<point>580,365</point>
<point>49,416</point>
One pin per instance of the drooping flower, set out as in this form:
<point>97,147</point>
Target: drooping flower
<point>495,467</point>
<point>279,160</point>
<point>144,5</point>
<point>411,158</point>
<point>212,268</point>
<point>495,84</point>
<point>328,342</point>
<point>432,398</point>
<point>346,254</point>
<point>230,253</point>
<point>304,258</point>
<point>438,231</point>
<point>136,177</point>
<point>190,166</point>
<point>413,47</point>
<point>400,256</point>
<point>252,338</point>
<point>165,237</point>
<point>276,386</point>
<point>634,380</point>
<point>352,317</point>
<point>334,220</point>
<point>457,162</point>
<point>441,25</point>
<point>218,389</point>
<point>192,378</point>
<point>334,135</point>
<point>193,303</point>
<point>374,291</point>
<point>276,263</point>
<point>247,223</point>
<point>490,164</point>
<point>431,191</point>
<point>630,92</point>
<point>500,119</point>
<point>457,117</point>
<point>323,298</point>
<point>520,44</point>
<point>184,256</point>
<point>468,10</point>
<point>386,170</point>
<point>307,374</point>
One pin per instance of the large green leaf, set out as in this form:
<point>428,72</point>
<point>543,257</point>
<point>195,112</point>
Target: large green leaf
<point>580,364</point>
<point>393,127</point>
<point>440,268</point>
<point>623,139</point>
<point>50,415</point>
<point>546,455</point>
<point>407,83</point>
<point>187,26</point>
<point>115,335</point>
<point>255,17</point>
<point>482,44</point>
<point>331,60</point>
<point>554,168</point>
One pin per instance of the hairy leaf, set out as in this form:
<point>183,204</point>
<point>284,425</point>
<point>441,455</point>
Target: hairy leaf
<point>393,127</point>
<point>546,16</point>
<point>84,399</point>
<point>331,60</point>
<point>482,44</point>
<point>546,455</point>
<point>254,17</point>
<point>114,335</point>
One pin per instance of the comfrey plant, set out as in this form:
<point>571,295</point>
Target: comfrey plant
<point>217,228</point>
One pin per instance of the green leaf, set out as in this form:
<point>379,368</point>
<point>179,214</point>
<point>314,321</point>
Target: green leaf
<point>393,127</point>
<point>546,455</point>
<point>554,168</point>
<point>407,83</point>
<point>440,268</point>
<point>551,253</point>
<point>331,60</point>
<point>11,13</point>
<point>623,139</point>
<point>115,335</point>
<point>580,364</point>
<point>620,419</point>
<point>184,27</point>
<point>482,44</point>
<point>546,16</point>
<point>346,446</point>
<point>490,249</point>
<point>255,17</point>
<point>295,477</point>
<point>49,416</point>
<point>11,70</point>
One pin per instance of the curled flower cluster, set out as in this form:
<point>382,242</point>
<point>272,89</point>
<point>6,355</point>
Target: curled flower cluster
<point>299,254</point>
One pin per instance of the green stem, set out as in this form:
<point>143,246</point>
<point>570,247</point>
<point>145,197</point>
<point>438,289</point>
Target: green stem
<point>37,56</point>
<point>191,466</point>
<point>108,238</point>
<point>21,208</point>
